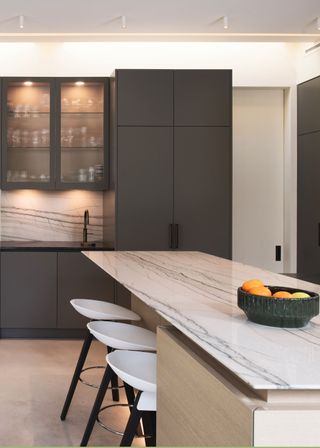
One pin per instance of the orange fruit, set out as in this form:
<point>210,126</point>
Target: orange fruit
<point>249,284</point>
<point>260,291</point>
<point>282,295</point>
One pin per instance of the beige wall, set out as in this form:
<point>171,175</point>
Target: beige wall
<point>253,64</point>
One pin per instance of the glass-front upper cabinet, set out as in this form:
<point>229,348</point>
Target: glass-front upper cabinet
<point>82,133</point>
<point>27,137</point>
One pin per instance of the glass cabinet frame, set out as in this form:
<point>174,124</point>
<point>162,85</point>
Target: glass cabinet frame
<point>36,184</point>
<point>55,148</point>
<point>101,184</point>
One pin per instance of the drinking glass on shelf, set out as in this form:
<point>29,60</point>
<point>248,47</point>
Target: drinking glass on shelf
<point>92,141</point>
<point>45,137</point>
<point>36,138</point>
<point>16,137</point>
<point>25,141</point>
<point>18,111</point>
<point>91,173</point>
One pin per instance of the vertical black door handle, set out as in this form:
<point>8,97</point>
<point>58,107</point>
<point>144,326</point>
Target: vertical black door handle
<point>171,236</point>
<point>278,253</point>
<point>176,236</point>
<point>319,234</point>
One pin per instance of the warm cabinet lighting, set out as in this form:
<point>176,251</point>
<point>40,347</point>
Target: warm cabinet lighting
<point>28,83</point>
<point>79,83</point>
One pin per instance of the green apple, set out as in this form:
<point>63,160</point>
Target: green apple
<point>300,295</point>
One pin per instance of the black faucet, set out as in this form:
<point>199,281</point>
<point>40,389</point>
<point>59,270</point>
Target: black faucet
<point>85,224</point>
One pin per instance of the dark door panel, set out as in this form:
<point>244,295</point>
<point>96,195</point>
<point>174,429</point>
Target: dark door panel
<point>145,187</point>
<point>202,97</point>
<point>28,290</point>
<point>202,189</point>
<point>309,203</point>
<point>309,106</point>
<point>145,97</point>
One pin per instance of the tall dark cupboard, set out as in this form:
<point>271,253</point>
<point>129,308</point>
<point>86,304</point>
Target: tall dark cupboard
<point>308,241</point>
<point>172,160</point>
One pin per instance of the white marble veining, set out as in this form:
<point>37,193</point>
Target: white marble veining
<point>31,215</point>
<point>197,293</point>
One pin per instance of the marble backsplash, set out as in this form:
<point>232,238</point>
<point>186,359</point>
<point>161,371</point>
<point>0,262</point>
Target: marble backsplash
<point>33,215</point>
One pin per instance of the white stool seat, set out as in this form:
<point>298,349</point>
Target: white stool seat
<point>138,369</point>
<point>147,402</point>
<point>122,336</point>
<point>97,309</point>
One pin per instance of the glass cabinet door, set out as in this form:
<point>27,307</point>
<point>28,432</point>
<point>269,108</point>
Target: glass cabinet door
<point>27,154</point>
<point>82,134</point>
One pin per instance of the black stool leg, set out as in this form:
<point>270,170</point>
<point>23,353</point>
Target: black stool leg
<point>97,405</point>
<point>130,400</point>
<point>83,355</point>
<point>132,424</point>
<point>114,383</point>
<point>150,429</point>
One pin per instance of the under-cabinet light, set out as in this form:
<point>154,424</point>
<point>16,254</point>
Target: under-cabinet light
<point>28,83</point>
<point>79,83</point>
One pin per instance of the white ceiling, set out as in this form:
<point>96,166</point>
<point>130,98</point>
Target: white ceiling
<point>163,17</point>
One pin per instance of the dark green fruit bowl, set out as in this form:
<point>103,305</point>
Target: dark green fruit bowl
<point>285,313</point>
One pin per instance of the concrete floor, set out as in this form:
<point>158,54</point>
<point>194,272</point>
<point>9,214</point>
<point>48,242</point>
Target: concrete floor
<point>34,380</point>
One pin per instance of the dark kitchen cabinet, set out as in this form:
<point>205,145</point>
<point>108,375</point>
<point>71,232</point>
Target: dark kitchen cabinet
<point>36,289</point>
<point>55,133</point>
<point>144,187</point>
<point>202,97</point>
<point>308,203</point>
<point>173,183</point>
<point>309,106</point>
<point>144,97</point>
<point>203,189</point>
<point>28,290</point>
<point>78,277</point>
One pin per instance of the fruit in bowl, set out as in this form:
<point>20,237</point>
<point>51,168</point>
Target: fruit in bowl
<point>277,306</point>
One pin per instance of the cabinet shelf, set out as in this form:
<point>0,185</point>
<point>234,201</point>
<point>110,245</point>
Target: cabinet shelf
<point>28,148</point>
<point>81,148</point>
<point>31,115</point>
<point>81,113</point>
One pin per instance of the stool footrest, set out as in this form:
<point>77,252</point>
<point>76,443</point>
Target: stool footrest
<point>96,386</point>
<point>112,430</point>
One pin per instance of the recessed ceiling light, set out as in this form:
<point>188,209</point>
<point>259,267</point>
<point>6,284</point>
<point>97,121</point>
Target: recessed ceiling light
<point>28,83</point>
<point>21,22</point>
<point>79,83</point>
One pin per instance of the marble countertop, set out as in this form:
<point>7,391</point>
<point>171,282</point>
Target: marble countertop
<point>197,293</point>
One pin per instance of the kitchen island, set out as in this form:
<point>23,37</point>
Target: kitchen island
<point>264,382</point>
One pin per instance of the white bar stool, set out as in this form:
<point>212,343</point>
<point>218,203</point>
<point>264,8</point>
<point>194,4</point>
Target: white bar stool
<point>122,337</point>
<point>94,310</point>
<point>138,369</point>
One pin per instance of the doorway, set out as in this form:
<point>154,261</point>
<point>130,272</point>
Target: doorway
<point>258,176</point>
